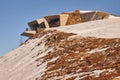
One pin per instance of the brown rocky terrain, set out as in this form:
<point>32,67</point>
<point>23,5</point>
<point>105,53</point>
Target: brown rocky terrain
<point>85,51</point>
<point>81,58</point>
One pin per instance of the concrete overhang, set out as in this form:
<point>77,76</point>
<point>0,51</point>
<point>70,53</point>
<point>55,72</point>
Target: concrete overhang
<point>28,33</point>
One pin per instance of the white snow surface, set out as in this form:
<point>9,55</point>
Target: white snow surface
<point>86,11</point>
<point>107,28</point>
<point>20,64</point>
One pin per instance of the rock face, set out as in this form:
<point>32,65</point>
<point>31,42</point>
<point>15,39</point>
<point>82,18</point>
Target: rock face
<point>66,55</point>
<point>81,58</point>
<point>54,55</point>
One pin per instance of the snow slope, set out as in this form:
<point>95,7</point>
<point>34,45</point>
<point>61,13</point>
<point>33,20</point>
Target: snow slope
<point>52,55</point>
<point>108,28</point>
<point>20,64</point>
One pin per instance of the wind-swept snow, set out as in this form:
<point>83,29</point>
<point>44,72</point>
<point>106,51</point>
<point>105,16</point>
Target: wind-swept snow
<point>108,28</point>
<point>20,64</point>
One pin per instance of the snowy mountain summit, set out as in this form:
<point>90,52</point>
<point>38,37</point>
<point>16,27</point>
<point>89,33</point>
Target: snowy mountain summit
<point>67,49</point>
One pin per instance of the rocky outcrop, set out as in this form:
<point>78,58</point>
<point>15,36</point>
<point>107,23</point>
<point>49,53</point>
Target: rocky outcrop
<point>87,51</point>
<point>81,58</point>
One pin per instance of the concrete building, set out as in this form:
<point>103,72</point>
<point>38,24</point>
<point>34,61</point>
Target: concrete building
<point>63,19</point>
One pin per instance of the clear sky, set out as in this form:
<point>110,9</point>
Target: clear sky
<point>15,14</point>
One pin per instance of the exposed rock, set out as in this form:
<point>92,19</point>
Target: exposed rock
<point>83,58</point>
<point>87,51</point>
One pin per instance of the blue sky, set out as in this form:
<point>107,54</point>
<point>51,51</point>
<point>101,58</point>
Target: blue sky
<point>15,14</point>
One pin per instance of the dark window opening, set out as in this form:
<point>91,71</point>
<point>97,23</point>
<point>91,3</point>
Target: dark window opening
<point>35,26</point>
<point>42,25</point>
<point>54,22</point>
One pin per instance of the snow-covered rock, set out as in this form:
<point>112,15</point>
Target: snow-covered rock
<point>85,51</point>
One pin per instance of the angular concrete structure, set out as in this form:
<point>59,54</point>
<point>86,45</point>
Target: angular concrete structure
<point>73,18</point>
<point>29,33</point>
<point>63,19</point>
<point>96,15</point>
